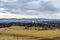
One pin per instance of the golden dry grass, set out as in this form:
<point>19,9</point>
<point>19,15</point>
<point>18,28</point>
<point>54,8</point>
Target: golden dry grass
<point>17,31</point>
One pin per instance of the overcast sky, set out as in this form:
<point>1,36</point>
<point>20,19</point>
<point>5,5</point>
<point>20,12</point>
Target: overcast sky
<point>30,8</point>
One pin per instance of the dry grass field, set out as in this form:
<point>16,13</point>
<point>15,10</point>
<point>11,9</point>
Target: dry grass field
<point>19,33</point>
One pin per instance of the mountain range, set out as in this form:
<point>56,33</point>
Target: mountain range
<point>28,20</point>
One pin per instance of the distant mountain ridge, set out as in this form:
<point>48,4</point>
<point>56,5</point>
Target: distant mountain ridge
<point>28,20</point>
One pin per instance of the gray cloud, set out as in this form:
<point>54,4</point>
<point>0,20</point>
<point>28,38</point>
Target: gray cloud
<point>28,6</point>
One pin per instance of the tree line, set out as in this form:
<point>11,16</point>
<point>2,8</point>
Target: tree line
<point>40,25</point>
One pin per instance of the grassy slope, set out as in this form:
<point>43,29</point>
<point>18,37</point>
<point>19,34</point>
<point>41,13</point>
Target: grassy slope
<point>34,33</point>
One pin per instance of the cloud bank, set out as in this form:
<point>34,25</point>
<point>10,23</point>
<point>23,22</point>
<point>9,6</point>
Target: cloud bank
<point>38,8</point>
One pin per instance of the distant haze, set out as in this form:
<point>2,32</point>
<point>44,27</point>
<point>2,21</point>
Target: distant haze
<point>9,15</point>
